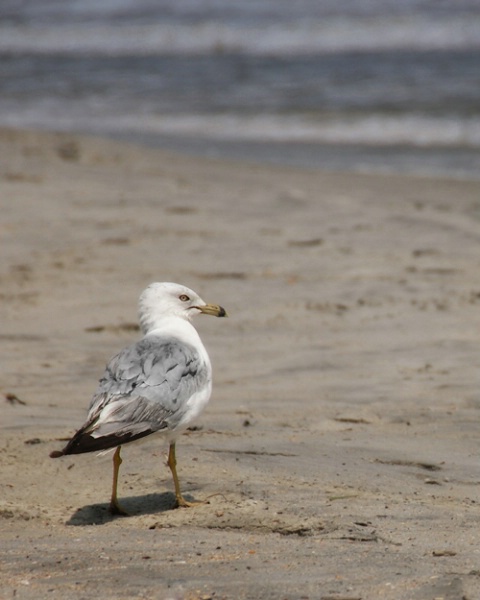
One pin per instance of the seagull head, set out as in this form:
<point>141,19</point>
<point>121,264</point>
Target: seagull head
<point>163,300</point>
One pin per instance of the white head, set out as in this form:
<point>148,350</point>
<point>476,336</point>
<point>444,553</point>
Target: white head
<point>161,300</point>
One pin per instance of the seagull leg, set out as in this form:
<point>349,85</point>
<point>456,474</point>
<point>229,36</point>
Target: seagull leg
<point>115,507</point>
<point>172,463</point>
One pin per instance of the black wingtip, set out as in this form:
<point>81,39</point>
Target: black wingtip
<point>222,312</point>
<point>56,454</point>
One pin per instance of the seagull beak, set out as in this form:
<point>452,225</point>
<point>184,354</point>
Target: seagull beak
<point>212,309</point>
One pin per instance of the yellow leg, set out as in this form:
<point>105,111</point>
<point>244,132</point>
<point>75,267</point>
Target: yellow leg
<point>115,507</point>
<point>172,463</point>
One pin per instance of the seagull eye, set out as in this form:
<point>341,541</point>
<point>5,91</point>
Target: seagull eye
<point>184,298</point>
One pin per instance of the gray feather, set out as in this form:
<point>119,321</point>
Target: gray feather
<point>146,387</point>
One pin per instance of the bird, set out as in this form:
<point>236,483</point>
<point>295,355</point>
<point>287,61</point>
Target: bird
<point>159,384</point>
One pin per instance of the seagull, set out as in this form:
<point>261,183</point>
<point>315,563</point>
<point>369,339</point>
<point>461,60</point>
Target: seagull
<point>160,384</point>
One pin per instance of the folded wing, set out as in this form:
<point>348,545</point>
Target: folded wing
<point>145,389</point>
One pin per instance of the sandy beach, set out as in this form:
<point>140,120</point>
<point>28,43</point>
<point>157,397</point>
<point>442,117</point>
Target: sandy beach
<point>340,449</point>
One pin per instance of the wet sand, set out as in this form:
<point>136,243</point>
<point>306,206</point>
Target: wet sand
<point>340,449</point>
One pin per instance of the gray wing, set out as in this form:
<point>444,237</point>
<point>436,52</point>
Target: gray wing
<point>145,388</point>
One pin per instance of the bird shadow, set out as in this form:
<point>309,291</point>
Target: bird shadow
<point>99,514</point>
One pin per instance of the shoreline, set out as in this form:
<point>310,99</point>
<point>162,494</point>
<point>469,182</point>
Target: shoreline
<point>342,433</point>
<point>461,163</point>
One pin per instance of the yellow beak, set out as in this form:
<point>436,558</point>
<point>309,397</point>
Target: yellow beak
<point>213,309</point>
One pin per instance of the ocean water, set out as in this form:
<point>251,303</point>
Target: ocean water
<point>365,85</point>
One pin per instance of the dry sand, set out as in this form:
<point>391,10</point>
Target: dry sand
<point>343,431</point>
